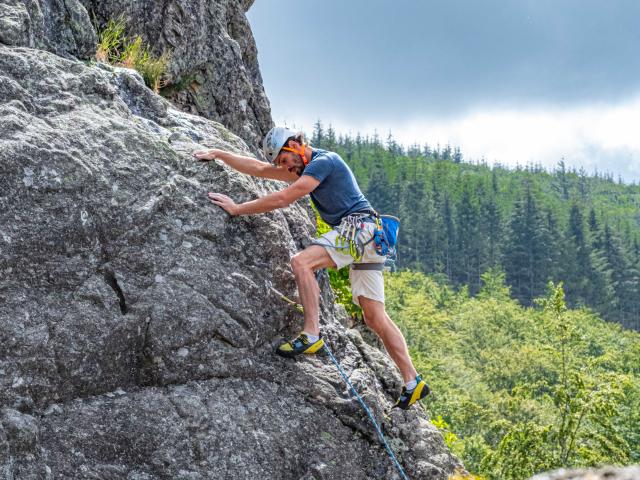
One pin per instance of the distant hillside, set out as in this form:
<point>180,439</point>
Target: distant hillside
<point>518,390</point>
<point>460,219</point>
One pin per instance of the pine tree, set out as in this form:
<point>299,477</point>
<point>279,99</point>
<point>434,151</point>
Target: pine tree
<point>446,153</point>
<point>527,258</point>
<point>468,248</point>
<point>426,150</point>
<point>593,223</point>
<point>562,182</point>
<point>330,142</point>
<point>449,243</point>
<point>411,249</point>
<point>431,233</point>
<point>457,155</point>
<point>624,277</point>
<point>557,247</point>
<point>577,260</point>
<point>379,190</point>
<point>583,185</point>
<point>491,229</point>
<point>317,138</point>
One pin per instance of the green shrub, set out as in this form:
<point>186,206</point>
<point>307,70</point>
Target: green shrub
<point>116,48</point>
<point>520,390</point>
<point>110,41</point>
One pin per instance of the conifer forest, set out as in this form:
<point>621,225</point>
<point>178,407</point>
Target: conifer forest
<point>518,293</point>
<point>459,219</point>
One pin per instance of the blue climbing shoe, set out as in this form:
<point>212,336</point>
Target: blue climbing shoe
<point>300,344</point>
<point>408,398</point>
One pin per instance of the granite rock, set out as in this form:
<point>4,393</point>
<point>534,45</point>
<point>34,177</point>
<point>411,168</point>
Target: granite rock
<point>59,26</point>
<point>137,322</point>
<point>213,69</point>
<point>605,473</point>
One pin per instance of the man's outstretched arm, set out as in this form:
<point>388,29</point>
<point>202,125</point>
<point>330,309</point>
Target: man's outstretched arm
<point>248,165</point>
<point>273,201</point>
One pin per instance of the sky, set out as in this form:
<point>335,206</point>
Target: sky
<point>508,81</point>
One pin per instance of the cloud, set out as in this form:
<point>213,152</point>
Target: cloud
<point>359,58</point>
<point>514,82</point>
<point>598,137</point>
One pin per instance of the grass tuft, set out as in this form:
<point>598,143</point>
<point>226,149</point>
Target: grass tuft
<point>115,48</point>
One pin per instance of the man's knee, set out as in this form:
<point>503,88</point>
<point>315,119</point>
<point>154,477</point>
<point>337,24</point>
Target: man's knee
<point>311,258</point>
<point>374,315</point>
<point>374,322</point>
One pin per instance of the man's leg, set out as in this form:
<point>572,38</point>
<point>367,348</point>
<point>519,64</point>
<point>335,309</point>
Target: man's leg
<point>377,320</point>
<point>304,264</point>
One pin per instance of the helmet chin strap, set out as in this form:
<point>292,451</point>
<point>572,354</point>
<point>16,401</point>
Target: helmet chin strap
<point>299,151</point>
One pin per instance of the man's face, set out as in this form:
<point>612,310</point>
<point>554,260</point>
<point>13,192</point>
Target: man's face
<point>290,161</point>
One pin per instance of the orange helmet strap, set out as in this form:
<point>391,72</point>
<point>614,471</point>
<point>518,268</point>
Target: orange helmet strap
<point>299,151</point>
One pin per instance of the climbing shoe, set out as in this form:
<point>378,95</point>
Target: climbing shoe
<point>300,344</point>
<point>408,398</point>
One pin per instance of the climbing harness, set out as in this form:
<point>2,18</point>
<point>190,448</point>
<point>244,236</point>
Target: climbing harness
<point>350,235</point>
<point>349,238</point>
<point>352,389</point>
<point>368,266</point>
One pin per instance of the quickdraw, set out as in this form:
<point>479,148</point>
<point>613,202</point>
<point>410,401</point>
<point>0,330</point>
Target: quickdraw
<point>348,239</point>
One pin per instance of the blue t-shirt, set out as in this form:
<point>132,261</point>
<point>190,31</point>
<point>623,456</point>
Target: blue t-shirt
<point>338,193</point>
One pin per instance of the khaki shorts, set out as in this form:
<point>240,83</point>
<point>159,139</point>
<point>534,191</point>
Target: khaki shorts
<point>365,283</point>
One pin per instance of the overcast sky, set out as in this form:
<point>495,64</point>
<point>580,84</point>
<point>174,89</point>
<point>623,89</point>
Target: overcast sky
<point>513,81</point>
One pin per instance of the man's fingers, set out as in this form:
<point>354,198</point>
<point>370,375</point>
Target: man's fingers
<point>223,202</point>
<point>219,198</point>
<point>203,155</point>
<point>216,202</point>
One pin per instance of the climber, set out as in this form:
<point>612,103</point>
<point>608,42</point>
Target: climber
<point>335,193</point>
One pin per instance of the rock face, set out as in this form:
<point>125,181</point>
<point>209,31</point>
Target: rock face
<point>60,26</point>
<point>214,69</point>
<point>137,325</point>
<point>607,473</point>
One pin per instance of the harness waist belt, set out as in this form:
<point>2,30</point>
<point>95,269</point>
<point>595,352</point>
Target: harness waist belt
<point>367,212</point>
<point>368,266</point>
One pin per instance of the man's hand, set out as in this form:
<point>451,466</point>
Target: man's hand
<point>223,201</point>
<point>206,155</point>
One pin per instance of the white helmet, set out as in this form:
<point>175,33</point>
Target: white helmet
<point>275,140</point>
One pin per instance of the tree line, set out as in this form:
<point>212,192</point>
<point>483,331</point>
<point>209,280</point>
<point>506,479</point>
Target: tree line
<point>520,390</point>
<point>461,219</point>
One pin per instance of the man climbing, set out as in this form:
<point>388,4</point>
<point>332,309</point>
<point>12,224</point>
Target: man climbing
<point>334,191</point>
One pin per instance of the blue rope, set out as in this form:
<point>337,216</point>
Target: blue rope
<point>366,409</point>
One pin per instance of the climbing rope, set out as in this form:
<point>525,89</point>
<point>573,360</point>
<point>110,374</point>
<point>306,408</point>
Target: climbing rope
<point>298,307</point>
<point>403,475</point>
